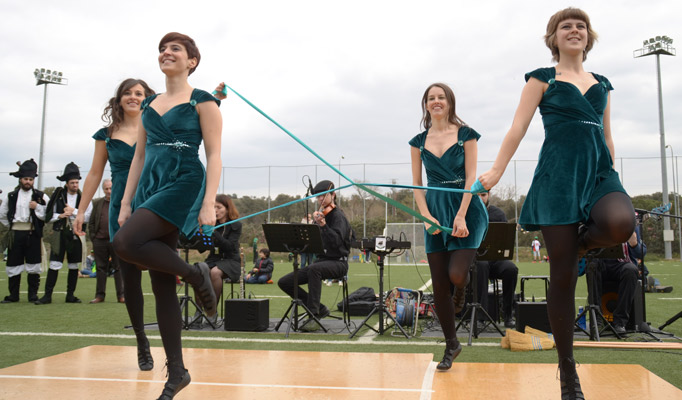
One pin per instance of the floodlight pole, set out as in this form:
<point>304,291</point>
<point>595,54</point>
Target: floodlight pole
<point>42,141</point>
<point>657,46</point>
<point>44,77</point>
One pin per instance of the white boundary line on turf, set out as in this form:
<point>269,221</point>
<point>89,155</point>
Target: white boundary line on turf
<point>250,385</point>
<point>427,383</point>
<point>237,340</point>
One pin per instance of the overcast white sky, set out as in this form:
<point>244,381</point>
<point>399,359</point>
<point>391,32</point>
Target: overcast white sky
<point>345,77</point>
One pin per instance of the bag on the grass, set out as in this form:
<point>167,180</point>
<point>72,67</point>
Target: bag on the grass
<point>360,302</point>
<point>526,342</point>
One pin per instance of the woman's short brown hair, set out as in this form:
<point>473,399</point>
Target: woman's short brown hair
<point>563,15</point>
<point>188,42</point>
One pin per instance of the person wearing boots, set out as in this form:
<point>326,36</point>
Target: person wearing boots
<point>62,210</point>
<point>23,212</point>
<point>98,229</point>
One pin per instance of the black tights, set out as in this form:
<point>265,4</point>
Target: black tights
<point>132,291</point>
<point>611,222</point>
<point>149,240</point>
<point>448,268</point>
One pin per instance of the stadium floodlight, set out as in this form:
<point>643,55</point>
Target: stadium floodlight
<point>44,77</point>
<point>661,45</point>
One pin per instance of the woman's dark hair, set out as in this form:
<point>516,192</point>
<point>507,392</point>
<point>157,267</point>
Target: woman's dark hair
<point>113,112</point>
<point>450,96</point>
<point>188,42</point>
<point>226,201</point>
<point>265,251</point>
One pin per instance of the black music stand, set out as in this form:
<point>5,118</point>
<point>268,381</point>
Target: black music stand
<point>498,245</point>
<point>380,307</point>
<point>202,243</point>
<point>594,307</point>
<point>296,239</point>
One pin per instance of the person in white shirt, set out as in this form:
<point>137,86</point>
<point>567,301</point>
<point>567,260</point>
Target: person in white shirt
<point>62,211</point>
<point>23,212</point>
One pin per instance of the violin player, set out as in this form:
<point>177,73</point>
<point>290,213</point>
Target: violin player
<point>332,264</point>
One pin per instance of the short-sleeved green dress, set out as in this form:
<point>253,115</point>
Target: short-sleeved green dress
<point>449,171</point>
<point>575,168</point>
<point>173,179</point>
<point>120,155</point>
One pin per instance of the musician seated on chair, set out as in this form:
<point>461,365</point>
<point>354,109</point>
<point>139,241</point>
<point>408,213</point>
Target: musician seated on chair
<point>262,268</point>
<point>224,260</point>
<point>332,264</point>
<point>502,269</point>
<point>625,273</point>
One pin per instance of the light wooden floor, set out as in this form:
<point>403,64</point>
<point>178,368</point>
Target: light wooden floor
<point>110,372</point>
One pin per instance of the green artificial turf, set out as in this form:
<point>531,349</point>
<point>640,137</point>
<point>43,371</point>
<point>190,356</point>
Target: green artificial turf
<point>31,332</point>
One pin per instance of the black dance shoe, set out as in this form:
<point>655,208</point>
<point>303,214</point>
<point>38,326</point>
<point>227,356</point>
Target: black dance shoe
<point>452,350</point>
<point>204,290</point>
<point>570,383</point>
<point>178,379</point>
<point>144,354</point>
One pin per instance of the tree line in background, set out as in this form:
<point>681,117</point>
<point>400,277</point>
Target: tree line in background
<point>358,203</point>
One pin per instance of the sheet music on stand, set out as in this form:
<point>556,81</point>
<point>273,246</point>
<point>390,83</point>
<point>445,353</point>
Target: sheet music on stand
<point>305,238</point>
<point>498,243</point>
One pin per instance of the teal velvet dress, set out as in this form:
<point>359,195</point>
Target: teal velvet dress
<point>120,156</point>
<point>574,167</point>
<point>449,171</point>
<point>173,179</point>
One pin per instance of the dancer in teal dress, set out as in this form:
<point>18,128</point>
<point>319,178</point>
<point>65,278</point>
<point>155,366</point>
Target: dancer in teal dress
<point>448,151</point>
<point>116,143</point>
<point>576,198</point>
<point>171,192</point>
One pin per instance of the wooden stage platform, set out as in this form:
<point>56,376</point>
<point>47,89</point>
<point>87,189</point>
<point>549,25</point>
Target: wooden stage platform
<point>110,372</point>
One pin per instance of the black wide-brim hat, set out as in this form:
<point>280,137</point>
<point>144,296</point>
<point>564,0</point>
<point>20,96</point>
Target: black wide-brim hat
<point>323,186</point>
<point>71,171</point>
<point>27,169</point>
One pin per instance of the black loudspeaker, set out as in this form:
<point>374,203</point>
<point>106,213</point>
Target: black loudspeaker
<point>532,314</point>
<point>247,314</point>
<point>609,301</point>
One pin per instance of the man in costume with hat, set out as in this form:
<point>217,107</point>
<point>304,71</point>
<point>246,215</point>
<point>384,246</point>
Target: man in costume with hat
<point>23,212</point>
<point>62,210</point>
<point>331,264</point>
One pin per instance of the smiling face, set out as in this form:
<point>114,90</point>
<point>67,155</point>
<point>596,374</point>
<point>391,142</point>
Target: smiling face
<point>569,28</point>
<point>131,99</point>
<point>173,59</point>
<point>437,103</point>
<point>571,37</point>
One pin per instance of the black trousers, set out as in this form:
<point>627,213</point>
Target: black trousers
<point>626,274</point>
<point>313,275</point>
<point>505,270</point>
<point>69,245</point>
<point>104,251</point>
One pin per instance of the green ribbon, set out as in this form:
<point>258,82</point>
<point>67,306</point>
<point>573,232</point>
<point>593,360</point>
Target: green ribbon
<point>475,188</point>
